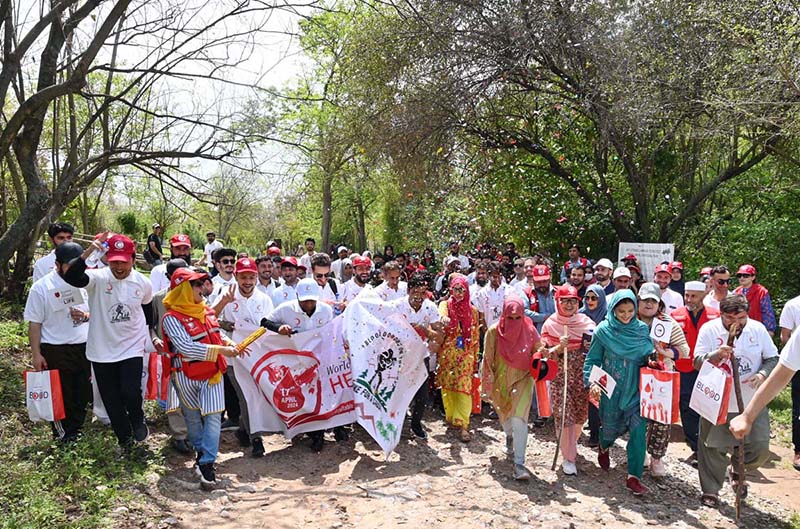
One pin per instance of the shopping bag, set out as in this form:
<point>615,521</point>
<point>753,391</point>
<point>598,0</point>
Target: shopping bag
<point>659,395</point>
<point>158,372</point>
<point>476,393</point>
<point>43,395</point>
<point>711,393</point>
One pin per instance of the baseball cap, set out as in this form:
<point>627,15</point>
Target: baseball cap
<point>120,248</point>
<point>629,257</point>
<point>308,290</point>
<point>706,271</point>
<point>156,225</point>
<point>541,273</point>
<point>273,250</point>
<point>567,291</point>
<point>621,271</point>
<point>210,233</point>
<point>341,249</point>
<point>245,264</point>
<point>182,275</point>
<point>67,251</point>
<point>663,267</point>
<point>301,267</point>
<point>362,261</point>
<point>449,260</point>
<point>289,261</point>
<point>179,239</point>
<point>747,270</point>
<point>676,264</point>
<point>650,291</point>
<point>694,286</point>
<point>606,263</point>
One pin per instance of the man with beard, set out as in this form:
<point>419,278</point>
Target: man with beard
<point>391,288</point>
<point>481,279</point>
<point>331,288</point>
<point>455,251</point>
<point>538,293</point>
<point>362,267</point>
<point>243,309</point>
<point>180,247</point>
<point>337,266</point>
<point>603,269</point>
<point>577,278</point>
<point>208,249</point>
<point>286,292</point>
<point>662,277</point>
<point>621,278</point>
<point>266,285</point>
<point>757,357</point>
<point>305,259</point>
<point>489,299</point>
<point>223,260</point>
<point>691,317</point>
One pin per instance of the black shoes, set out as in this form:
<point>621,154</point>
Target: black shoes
<point>340,434</point>
<point>418,431</point>
<point>243,438</point>
<point>140,432</point>
<point>182,446</point>
<point>258,447</point>
<point>207,476</point>
<point>317,442</point>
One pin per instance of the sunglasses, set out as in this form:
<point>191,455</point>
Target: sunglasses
<point>743,275</point>
<point>458,289</point>
<point>593,298</point>
<point>723,281</point>
<point>320,276</point>
<point>227,261</point>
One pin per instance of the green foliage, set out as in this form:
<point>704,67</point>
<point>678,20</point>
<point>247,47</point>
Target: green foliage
<point>129,224</point>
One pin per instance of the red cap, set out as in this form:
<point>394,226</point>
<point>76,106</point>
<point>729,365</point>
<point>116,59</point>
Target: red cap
<point>542,369</point>
<point>541,273</point>
<point>630,257</point>
<point>290,261</point>
<point>747,270</point>
<point>245,264</point>
<point>361,261</point>
<point>120,248</point>
<point>567,291</point>
<point>273,250</point>
<point>180,239</point>
<point>677,264</point>
<point>663,267</point>
<point>301,267</point>
<point>185,274</point>
<point>706,271</point>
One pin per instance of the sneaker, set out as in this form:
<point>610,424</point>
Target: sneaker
<point>196,466</point>
<point>569,468</point>
<point>243,438</point>
<point>229,425</point>
<point>538,422</point>
<point>258,447</point>
<point>181,446</point>
<point>796,461</point>
<point>493,415</point>
<point>418,431</point>
<point>140,432</point>
<point>521,473</point>
<point>603,459</point>
<point>207,476</point>
<point>636,487</point>
<point>657,468</point>
<point>340,434</point>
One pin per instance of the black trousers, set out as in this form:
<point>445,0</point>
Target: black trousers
<point>689,418</point>
<point>796,411</point>
<point>120,386</point>
<point>76,388</point>
<point>420,401</point>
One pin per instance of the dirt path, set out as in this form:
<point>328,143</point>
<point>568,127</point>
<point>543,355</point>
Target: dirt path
<point>443,483</point>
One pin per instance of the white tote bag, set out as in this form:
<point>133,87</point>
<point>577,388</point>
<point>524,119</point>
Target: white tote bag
<point>43,395</point>
<point>711,394</point>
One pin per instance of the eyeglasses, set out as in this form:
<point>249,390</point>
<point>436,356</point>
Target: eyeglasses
<point>592,298</point>
<point>227,261</point>
<point>569,301</point>
<point>723,281</point>
<point>458,289</point>
<point>740,276</point>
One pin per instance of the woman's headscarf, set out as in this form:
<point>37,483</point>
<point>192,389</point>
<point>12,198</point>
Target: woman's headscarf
<point>181,299</point>
<point>460,311</point>
<point>629,340</point>
<point>597,315</point>
<point>577,324</point>
<point>516,337</point>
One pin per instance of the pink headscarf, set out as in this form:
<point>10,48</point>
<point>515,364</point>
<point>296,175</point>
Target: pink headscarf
<point>460,311</point>
<point>577,325</point>
<point>516,337</point>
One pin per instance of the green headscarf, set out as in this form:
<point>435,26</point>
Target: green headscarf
<point>631,340</point>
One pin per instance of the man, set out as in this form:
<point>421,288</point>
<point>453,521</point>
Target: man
<point>455,251</point>
<point>603,269</point>
<point>244,310</point>
<point>539,300</point>
<point>266,285</point>
<point>331,288</point>
<point>152,253</point>
<point>338,265</point>
<point>720,281</point>
<point>691,317</point>
<point>790,320</point>
<point>489,299</point>
<point>120,297</point>
<point>451,266</point>
<point>621,278</point>
<point>57,316</point>
<point>277,261</point>
<point>180,247</point>
<point>662,277</point>
<point>223,260</point>
<point>391,288</point>
<point>286,292</point>
<point>305,259</point>
<point>423,316</point>
<point>208,249</point>
<point>575,260</point>
<point>577,278</point>
<point>58,233</point>
<point>757,297</point>
<point>177,425</point>
<point>304,313</point>
<point>362,269</point>
<point>519,271</point>
<point>481,279</point>
<point>274,250</point>
<point>757,357</point>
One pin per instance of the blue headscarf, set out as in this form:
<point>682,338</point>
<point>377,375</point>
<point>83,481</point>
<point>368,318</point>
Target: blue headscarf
<point>597,315</point>
<point>629,340</point>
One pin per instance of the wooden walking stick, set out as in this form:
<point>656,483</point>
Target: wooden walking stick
<point>737,386</point>
<point>563,403</point>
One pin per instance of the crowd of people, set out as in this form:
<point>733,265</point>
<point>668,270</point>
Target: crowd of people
<point>489,316</point>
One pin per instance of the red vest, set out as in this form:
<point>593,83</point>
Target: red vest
<point>207,333</point>
<point>754,297</point>
<point>684,319</point>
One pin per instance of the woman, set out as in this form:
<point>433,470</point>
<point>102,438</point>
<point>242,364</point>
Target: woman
<point>507,381</point>
<point>565,332</point>
<point>621,345</point>
<point>197,348</point>
<point>347,270</point>
<point>429,261</point>
<point>388,253</point>
<point>458,357</point>
<point>596,307</point>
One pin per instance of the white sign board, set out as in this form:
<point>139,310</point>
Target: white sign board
<point>661,330</point>
<point>648,254</point>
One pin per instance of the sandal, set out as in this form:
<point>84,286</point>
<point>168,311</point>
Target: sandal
<point>735,484</point>
<point>710,500</point>
<point>464,436</point>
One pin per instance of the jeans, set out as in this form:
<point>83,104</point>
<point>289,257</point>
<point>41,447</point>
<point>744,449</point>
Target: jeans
<point>120,386</point>
<point>203,433</point>
<point>516,430</point>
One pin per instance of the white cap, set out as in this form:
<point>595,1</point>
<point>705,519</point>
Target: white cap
<point>450,259</point>
<point>621,271</point>
<point>604,263</point>
<point>695,286</point>
<point>307,289</point>
<point>341,248</point>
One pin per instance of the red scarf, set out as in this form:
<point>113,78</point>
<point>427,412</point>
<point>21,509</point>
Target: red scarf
<point>516,338</point>
<point>460,311</point>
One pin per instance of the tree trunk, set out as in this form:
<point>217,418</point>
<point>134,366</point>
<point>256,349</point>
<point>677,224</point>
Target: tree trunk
<point>361,231</point>
<point>327,199</point>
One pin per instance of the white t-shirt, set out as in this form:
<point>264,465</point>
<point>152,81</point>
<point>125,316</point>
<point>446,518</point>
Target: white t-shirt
<point>426,315</point>
<point>790,356</point>
<point>388,294</point>
<point>289,313</point>
<point>283,294</point>
<point>752,346</point>
<point>48,303</point>
<point>711,301</point>
<point>672,300</point>
<point>490,301</point>
<point>158,277</point>
<point>351,290</point>
<point>246,313</point>
<point>790,315</point>
<point>269,289</point>
<point>117,329</point>
<point>219,283</point>
<point>209,248</point>
<point>44,266</point>
<point>305,260</point>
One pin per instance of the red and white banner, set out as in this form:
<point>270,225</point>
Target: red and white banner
<point>43,395</point>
